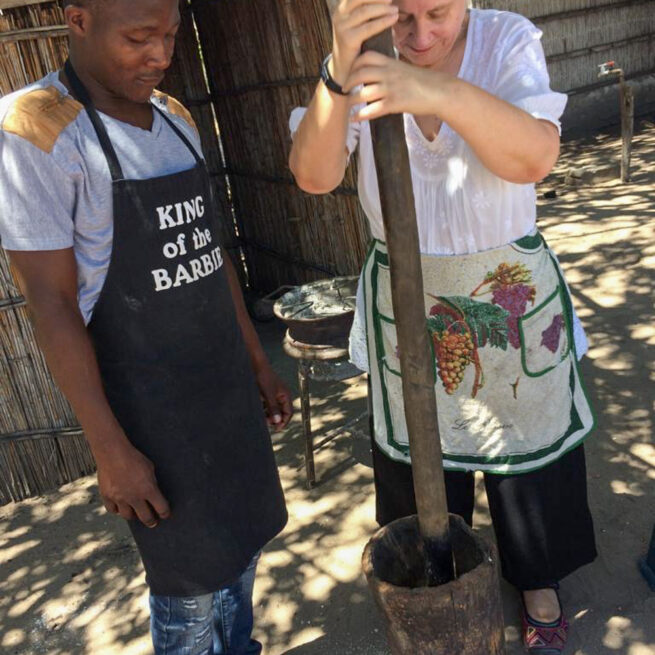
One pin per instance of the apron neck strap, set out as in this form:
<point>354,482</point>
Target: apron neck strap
<point>81,94</point>
<point>180,134</point>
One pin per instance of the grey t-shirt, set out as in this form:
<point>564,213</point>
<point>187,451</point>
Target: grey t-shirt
<point>55,186</point>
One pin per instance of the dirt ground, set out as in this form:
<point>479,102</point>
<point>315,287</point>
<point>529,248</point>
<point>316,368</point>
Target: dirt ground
<point>71,582</point>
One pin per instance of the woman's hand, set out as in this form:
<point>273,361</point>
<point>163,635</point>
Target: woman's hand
<point>393,87</point>
<point>510,142</point>
<point>353,22</point>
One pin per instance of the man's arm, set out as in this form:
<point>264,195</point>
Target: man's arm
<point>126,477</point>
<point>275,394</point>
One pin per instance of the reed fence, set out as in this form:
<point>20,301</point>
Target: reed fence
<point>263,58</point>
<point>579,35</point>
<point>241,66</point>
<point>41,443</point>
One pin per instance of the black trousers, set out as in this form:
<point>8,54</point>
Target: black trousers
<point>541,519</point>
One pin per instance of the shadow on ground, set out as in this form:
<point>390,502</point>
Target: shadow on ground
<point>71,582</point>
<point>70,577</point>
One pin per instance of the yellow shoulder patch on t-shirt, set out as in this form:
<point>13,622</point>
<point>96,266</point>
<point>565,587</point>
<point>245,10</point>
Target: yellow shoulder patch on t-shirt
<point>40,116</point>
<point>176,108</point>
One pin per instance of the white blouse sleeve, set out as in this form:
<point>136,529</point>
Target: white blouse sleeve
<point>352,139</point>
<point>523,77</point>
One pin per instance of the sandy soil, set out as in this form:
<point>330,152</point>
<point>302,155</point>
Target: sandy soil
<point>71,582</point>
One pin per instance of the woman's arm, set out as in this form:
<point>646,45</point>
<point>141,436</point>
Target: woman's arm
<point>511,143</point>
<point>319,156</point>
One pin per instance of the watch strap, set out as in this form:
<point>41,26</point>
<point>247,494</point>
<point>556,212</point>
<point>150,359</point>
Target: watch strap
<point>328,80</point>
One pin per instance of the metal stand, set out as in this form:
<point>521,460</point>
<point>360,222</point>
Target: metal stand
<point>322,364</point>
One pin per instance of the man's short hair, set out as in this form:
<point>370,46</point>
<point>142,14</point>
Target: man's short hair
<point>85,3</point>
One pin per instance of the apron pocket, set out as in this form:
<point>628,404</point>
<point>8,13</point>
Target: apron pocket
<point>393,390</point>
<point>383,303</point>
<point>545,334</point>
<point>390,355</point>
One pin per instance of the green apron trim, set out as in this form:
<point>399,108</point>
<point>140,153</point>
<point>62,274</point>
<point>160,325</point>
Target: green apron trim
<point>454,462</point>
<point>568,305</point>
<point>568,320</point>
<point>569,308</point>
<point>379,258</point>
<point>530,242</point>
<point>574,425</point>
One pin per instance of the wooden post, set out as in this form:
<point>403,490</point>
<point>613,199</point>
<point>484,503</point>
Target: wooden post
<point>13,4</point>
<point>416,359</point>
<point>33,33</point>
<point>627,100</point>
<point>305,411</point>
<point>627,106</point>
<point>409,563</point>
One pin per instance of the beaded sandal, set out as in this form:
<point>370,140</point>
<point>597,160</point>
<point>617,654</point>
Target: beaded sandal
<point>544,638</point>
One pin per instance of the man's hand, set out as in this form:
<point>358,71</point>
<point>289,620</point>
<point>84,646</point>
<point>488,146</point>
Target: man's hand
<point>128,486</point>
<point>276,397</point>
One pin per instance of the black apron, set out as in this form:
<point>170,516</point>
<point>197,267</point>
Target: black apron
<point>179,379</point>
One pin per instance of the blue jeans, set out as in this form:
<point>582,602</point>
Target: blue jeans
<point>213,624</point>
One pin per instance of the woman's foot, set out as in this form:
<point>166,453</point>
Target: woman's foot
<point>544,626</point>
<point>542,605</point>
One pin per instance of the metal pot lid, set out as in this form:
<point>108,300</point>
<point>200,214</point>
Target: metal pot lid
<point>318,301</point>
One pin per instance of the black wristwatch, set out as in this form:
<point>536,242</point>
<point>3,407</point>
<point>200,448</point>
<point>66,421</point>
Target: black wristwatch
<point>328,80</point>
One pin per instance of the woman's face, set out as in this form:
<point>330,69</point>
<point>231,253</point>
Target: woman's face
<point>427,30</point>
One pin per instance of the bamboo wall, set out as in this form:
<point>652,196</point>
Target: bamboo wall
<point>41,445</point>
<point>262,58</point>
<point>579,35</point>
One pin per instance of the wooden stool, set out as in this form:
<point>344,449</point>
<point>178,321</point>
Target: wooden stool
<point>322,364</point>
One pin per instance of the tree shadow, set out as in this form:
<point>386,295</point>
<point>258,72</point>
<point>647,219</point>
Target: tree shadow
<point>603,236</point>
<point>70,576</point>
<point>71,581</point>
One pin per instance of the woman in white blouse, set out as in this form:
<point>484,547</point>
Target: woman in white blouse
<point>482,126</point>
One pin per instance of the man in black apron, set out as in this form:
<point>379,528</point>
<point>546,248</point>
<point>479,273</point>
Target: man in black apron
<point>164,378</point>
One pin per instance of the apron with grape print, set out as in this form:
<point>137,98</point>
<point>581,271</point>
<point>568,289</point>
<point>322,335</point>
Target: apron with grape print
<point>509,393</point>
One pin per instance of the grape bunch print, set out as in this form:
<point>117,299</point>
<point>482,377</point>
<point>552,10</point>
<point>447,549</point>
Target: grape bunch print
<point>453,348</point>
<point>459,326</point>
<point>551,335</point>
<point>511,288</point>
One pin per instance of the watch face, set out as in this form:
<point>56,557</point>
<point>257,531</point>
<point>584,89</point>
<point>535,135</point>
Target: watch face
<point>325,73</point>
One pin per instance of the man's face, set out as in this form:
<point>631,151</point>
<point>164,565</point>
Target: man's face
<point>129,45</point>
<point>427,30</point>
